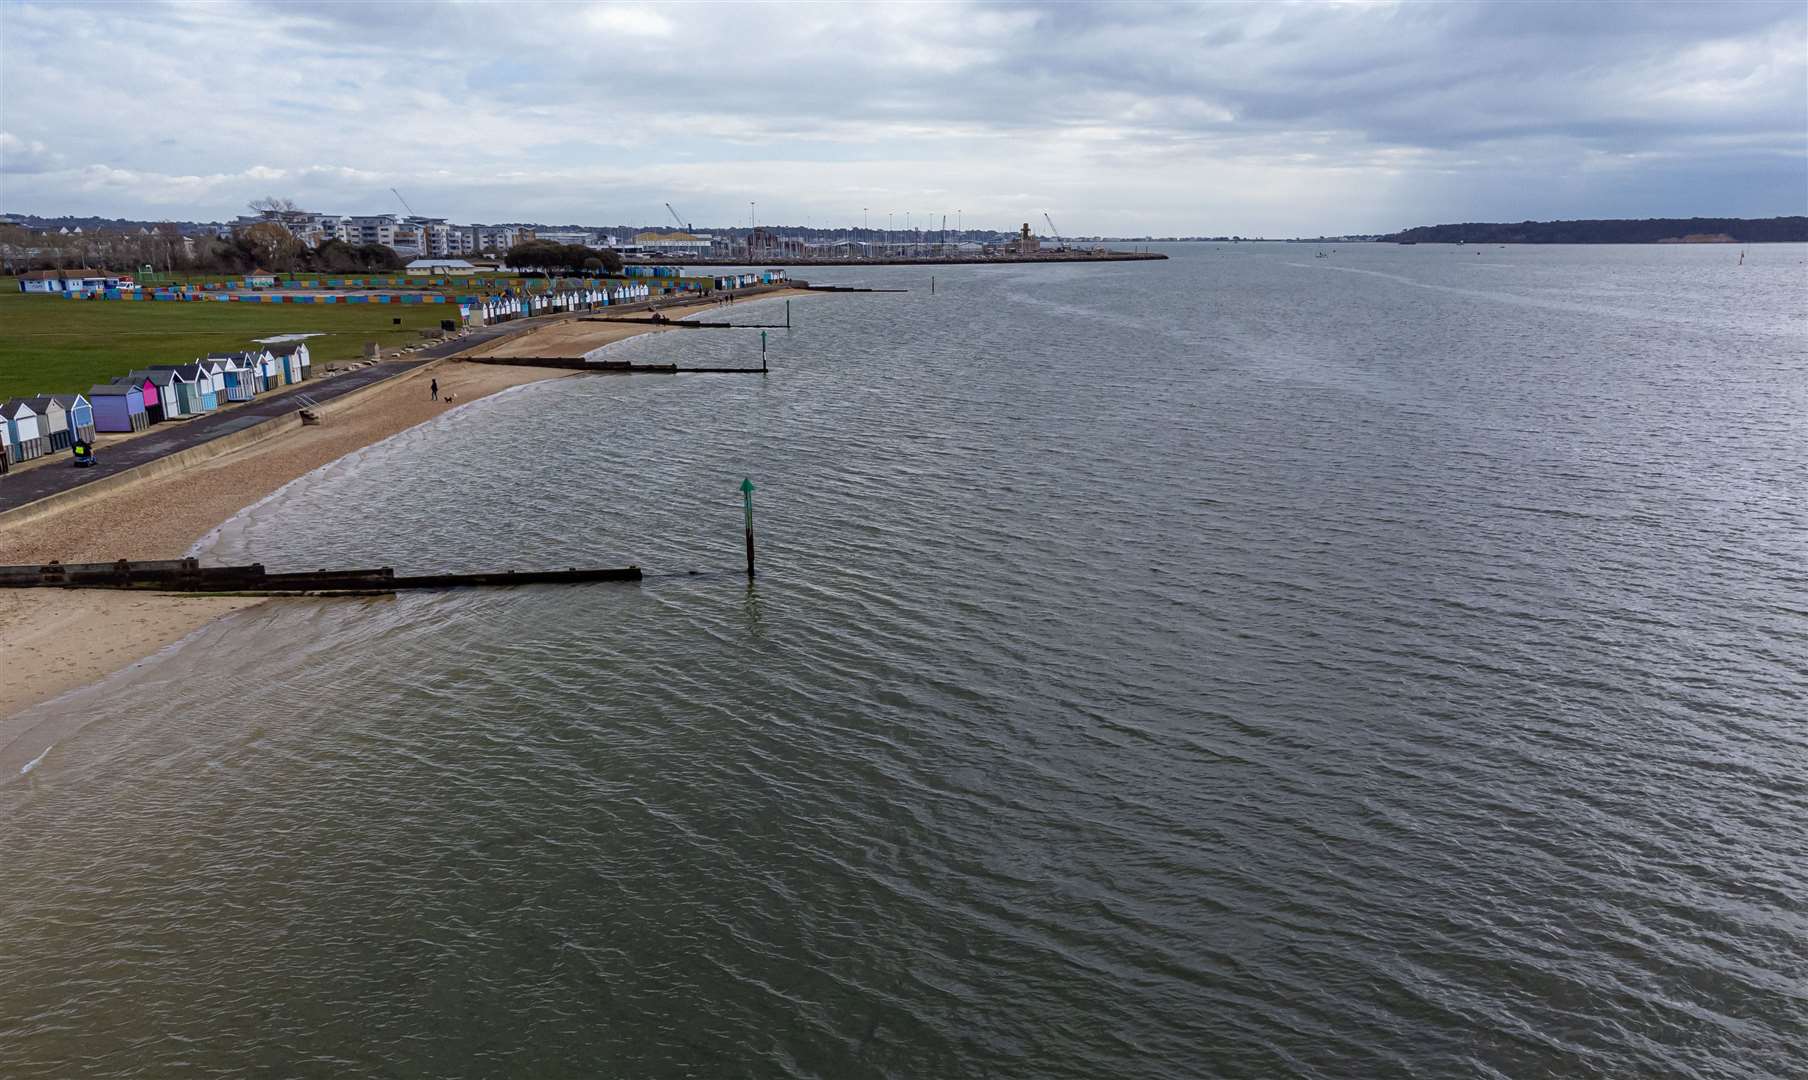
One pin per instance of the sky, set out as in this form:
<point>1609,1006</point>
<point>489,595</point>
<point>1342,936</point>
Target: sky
<point>1271,119</point>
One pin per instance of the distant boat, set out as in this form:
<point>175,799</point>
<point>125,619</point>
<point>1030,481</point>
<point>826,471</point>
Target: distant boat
<point>1321,255</point>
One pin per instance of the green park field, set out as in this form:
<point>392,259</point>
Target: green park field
<point>49,344</point>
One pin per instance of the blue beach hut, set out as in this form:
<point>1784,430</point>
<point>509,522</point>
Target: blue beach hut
<point>80,414</point>
<point>237,383</point>
<point>118,407</point>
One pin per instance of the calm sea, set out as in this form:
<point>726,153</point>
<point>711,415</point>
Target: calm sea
<point>1252,664</point>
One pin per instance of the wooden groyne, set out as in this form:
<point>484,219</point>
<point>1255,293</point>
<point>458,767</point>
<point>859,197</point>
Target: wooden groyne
<point>609,367</point>
<point>188,575</point>
<point>1084,255</point>
<point>692,324</point>
<point>844,288</point>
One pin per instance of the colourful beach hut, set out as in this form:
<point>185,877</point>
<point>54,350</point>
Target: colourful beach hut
<point>53,420</point>
<point>239,381</point>
<point>80,414</point>
<point>269,369</point>
<point>24,430</point>
<point>194,389</point>
<point>118,407</point>
<point>216,377</point>
<point>166,386</point>
<point>209,383</point>
<point>293,357</point>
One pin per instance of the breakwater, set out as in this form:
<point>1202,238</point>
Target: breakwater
<point>941,260</point>
<point>188,575</point>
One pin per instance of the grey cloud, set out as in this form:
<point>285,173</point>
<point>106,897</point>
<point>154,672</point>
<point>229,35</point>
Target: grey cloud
<point>1703,105</point>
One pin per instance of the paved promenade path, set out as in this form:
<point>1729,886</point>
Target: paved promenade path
<point>30,485</point>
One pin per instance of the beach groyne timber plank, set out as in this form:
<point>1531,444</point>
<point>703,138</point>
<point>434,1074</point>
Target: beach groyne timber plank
<point>610,367</point>
<point>189,576</point>
<point>1083,256</point>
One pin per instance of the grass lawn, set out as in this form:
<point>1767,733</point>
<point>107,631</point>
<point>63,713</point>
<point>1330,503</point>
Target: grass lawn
<point>52,345</point>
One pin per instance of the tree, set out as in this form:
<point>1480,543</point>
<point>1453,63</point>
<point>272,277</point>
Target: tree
<point>270,244</point>
<point>338,257</point>
<point>272,206</point>
<point>570,258</point>
<point>170,244</point>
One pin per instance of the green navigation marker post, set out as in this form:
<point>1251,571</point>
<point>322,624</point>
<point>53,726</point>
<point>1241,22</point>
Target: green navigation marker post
<point>762,350</point>
<point>747,499</point>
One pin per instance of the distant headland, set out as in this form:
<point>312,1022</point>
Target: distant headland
<point>1613,231</point>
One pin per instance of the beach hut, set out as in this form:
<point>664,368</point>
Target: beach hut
<point>193,386</point>
<point>197,384</point>
<point>118,407</point>
<point>200,385</point>
<point>293,357</point>
<point>53,420</point>
<point>215,371</point>
<point>25,430</point>
<point>80,414</point>
<point>168,387</point>
<point>151,394</point>
<point>238,377</point>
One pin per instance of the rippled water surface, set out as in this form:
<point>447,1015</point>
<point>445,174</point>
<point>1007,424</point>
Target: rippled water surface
<point>1246,665</point>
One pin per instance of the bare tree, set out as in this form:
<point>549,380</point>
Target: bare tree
<point>273,206</point>
<point>169,239</point>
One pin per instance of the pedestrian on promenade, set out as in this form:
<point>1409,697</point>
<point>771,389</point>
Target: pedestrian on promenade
<point>435,389</point>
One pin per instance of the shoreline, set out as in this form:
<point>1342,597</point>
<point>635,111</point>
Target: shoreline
<point>59,640</point>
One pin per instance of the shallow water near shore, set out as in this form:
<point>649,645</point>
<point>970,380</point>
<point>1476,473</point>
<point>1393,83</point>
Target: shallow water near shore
<point>1244,665</point>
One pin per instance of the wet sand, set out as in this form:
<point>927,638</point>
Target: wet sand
<point>55,641</point>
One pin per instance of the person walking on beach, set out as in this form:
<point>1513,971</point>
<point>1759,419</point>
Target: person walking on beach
<point>435,389</point>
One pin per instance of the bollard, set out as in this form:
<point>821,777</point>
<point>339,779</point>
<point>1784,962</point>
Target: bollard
<point>747,499</point>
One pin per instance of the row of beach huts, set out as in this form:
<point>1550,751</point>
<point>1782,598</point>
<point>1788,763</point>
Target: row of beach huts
<point>51,423</point>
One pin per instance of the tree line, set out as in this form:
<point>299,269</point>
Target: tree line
<point>1611,231</point>
<point>567,258</point>
<point>165,249</point>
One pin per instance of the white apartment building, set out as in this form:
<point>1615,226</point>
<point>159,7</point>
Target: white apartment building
<point>415,237</point>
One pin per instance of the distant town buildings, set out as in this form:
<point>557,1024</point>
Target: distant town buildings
<point>672,243</point>
<point>411,236</point>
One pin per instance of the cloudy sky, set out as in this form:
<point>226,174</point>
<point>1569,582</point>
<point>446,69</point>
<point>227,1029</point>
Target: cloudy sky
<point>1117,118</point>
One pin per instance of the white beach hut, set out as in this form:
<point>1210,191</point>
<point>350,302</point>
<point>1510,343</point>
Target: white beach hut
<point>24,429</point>
<point>53,421</point>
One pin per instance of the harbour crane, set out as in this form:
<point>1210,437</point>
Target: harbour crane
<point>1056,233</point>
<point>681,222</point>
<point>404,202</point>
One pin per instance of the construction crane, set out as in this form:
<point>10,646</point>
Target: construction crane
<point>1056,233</point>
<point>681,222</point>
<point>404,202</point>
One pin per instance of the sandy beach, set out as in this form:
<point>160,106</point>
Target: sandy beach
<point>96,632</point>
<point>56,641</point>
